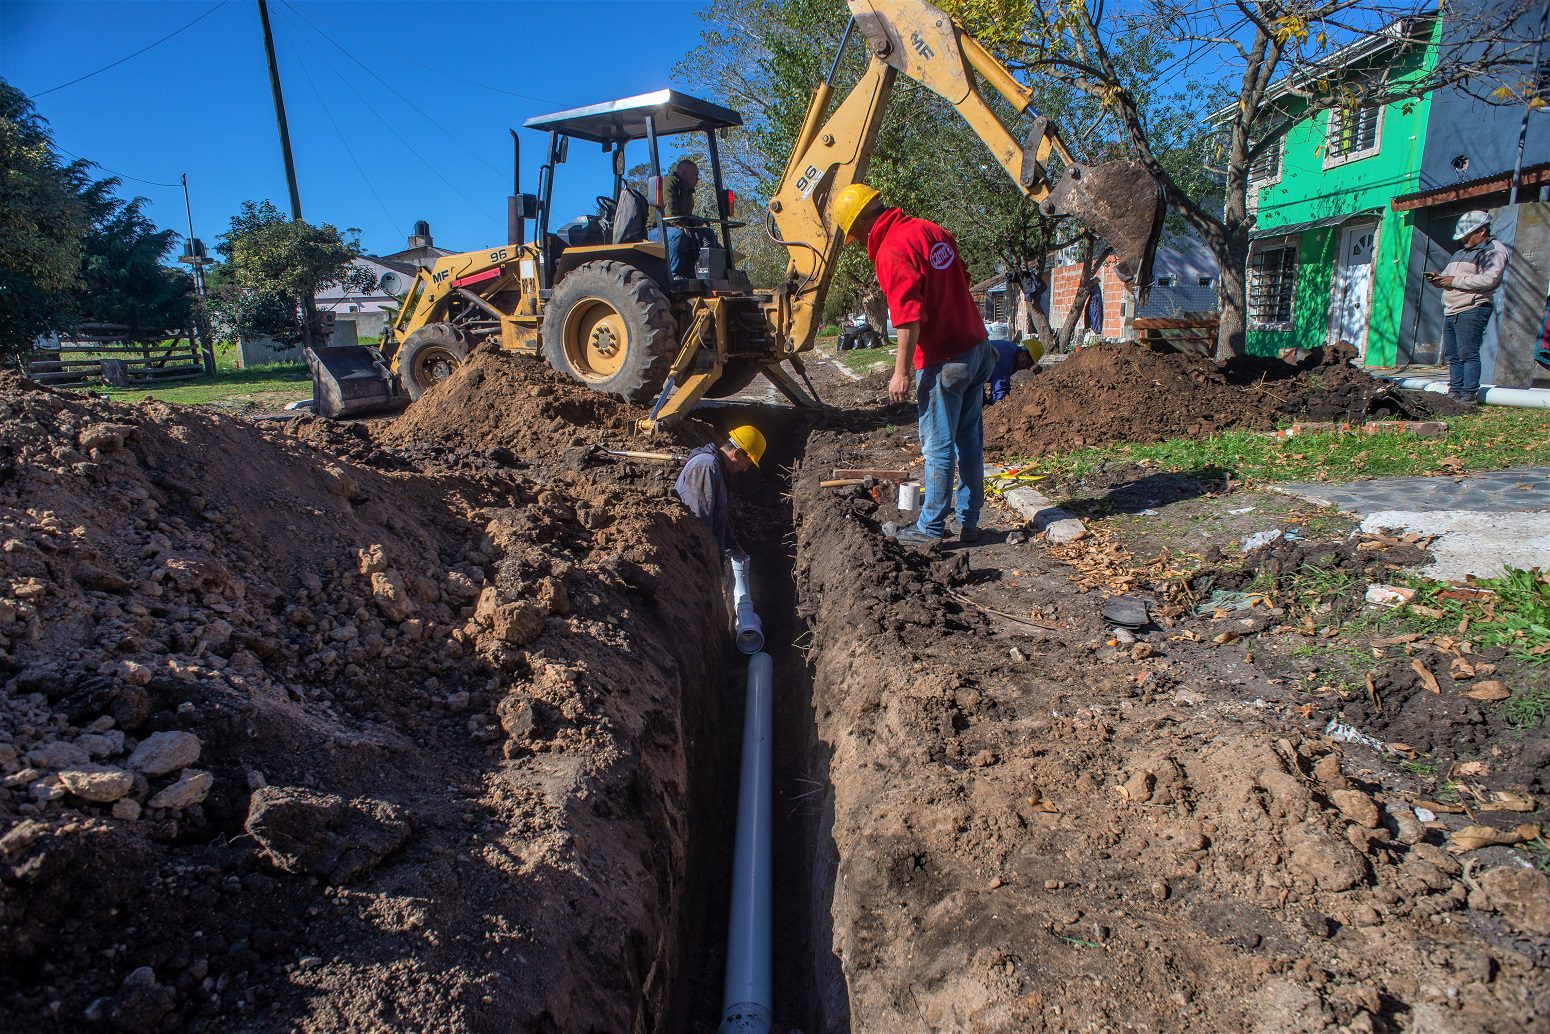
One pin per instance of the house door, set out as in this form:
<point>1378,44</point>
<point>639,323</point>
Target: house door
<point>1351,295</point>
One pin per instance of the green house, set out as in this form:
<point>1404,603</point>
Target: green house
<point>1328,254</point>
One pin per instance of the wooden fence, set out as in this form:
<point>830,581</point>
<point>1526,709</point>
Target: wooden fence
<point>104,353</point>
<point>1193,335</point>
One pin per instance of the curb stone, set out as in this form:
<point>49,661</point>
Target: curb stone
<point>1038,509</point>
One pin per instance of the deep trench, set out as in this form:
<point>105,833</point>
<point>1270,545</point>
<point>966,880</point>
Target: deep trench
<point>809,988</point>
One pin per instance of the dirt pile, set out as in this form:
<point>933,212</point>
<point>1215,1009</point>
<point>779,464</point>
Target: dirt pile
<point>511,408</point>
<point>292,743</point>
<point>1127,392</point>
<point>1028,829</point>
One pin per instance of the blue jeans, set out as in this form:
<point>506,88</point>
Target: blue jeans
<point>949,405</point>
<point>1461,337</point>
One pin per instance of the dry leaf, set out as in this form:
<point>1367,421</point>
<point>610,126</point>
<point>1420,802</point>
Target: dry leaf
<point>1428,680</point>
<point>1440,808</point>
<point>1488,691</point>
<point>1461,669</point>
<point>1406,749</point>
<point>1397,640</point>
<point>1471,768</point>
<point>1471,838</point>
<point>1426,612</point>
<point>1507,800</point>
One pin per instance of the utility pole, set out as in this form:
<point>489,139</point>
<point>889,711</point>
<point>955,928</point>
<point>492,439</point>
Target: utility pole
<point>195,257</point>
<point>285,150</point>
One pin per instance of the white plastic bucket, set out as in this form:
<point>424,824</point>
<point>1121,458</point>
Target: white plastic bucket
<point>909,496</point>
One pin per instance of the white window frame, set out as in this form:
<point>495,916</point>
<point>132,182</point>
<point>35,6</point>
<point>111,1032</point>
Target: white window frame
<point>1273,244</point>
<point>1332,133</point>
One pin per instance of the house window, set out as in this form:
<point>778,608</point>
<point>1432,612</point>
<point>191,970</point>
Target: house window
<point>1272,281</point>
<point>1206,281</point>
<point>1352,135</point>
<point>1164,281</point>
<point>1267,167</point>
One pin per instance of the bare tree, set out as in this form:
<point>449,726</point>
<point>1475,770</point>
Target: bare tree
<point>1253,45</point>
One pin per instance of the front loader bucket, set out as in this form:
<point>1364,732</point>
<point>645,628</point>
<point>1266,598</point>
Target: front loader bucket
<point>350,381</point>
<point>1123,204</point>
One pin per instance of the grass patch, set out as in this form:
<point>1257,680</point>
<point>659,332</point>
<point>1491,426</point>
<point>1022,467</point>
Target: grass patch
<point>266,387</point>
<point>867,360</point>
<point>1516,619</point>
<point>1493,438</point>
<point>1526,709</point>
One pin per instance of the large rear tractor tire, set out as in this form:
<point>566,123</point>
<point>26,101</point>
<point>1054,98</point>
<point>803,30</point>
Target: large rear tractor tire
<point>609,326</point>
<point>429,356</point>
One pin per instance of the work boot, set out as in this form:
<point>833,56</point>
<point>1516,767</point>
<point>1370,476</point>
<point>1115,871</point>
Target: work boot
<point>969,536</point>
<point>913,536</point>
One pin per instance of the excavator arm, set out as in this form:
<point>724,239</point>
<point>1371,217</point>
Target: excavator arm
<point>1119,201</point>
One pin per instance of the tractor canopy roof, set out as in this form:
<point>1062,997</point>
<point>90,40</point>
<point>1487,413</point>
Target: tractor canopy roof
<point>623,120</point>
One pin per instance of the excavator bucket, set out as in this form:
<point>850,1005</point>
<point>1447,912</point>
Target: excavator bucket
<point>350,381</point>
<point>1123,204</point>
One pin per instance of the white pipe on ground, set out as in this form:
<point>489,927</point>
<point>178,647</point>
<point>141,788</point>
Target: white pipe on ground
<point>746,1002</point>
<point>750,630</point>
<point>1490,394</point>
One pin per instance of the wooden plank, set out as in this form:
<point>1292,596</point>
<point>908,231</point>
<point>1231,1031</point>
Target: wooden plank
<point>110,349</point>
<point>188,356</point>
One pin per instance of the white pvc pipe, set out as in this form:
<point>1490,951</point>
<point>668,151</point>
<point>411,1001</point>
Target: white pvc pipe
<point>746,1001</point>
<point>1490,394</point>
<point>750,631</point>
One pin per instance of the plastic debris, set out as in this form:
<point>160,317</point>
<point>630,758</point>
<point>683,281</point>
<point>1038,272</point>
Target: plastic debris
<point>1260,539</point>
<point>1338,730</point>
<point>1382,595</point>
<point>1228,600</point>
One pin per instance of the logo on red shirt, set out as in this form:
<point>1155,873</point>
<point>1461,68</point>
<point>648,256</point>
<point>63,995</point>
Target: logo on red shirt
<point>941,255</point>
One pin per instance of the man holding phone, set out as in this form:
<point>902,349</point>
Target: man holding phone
<point>1467,282</point>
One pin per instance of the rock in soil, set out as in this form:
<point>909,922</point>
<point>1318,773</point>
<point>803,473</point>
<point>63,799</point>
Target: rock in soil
<point>307,833</point>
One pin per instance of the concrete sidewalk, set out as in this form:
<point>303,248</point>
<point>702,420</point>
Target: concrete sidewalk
<point>1484,522</point>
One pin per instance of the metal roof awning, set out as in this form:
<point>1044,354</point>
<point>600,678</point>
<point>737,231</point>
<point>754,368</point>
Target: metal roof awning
<point>614,121</point>
<point>1292,229</point>
<point>1481,186</point>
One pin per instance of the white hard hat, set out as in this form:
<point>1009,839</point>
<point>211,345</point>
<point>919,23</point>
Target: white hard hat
<point>1469,222</point>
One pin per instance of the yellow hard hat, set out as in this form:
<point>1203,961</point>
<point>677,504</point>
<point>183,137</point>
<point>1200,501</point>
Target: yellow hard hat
<point>850,203</point>
<point>749,440</point>
<point>1035,349</point>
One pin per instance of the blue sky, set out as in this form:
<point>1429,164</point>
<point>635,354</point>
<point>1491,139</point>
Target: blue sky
<point>200,102</point>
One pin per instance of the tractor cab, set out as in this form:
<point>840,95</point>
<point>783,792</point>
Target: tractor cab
<point>633,223</point>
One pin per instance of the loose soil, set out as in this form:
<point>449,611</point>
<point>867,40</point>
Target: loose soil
<point>1036,829</point>
<point>291,742</point>
<point>1124,392</point>
<point>425,724</point>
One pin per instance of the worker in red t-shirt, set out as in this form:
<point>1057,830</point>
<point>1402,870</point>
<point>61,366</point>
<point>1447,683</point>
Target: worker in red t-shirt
<point>942,336</point>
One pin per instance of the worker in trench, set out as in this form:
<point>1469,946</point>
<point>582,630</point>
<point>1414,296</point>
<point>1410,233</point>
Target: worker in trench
<point>703,483</point>
<point>942,339</point>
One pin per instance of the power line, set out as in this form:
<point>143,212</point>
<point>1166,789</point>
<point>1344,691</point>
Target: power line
<point>394,130</point>
<point>445,74</point>
<point>137,53</point>
<point>347,150</point>
<point>120,175</point>
<point>422,112</point>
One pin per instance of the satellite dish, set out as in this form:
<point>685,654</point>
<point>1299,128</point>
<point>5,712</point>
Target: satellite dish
<point>390,284</point>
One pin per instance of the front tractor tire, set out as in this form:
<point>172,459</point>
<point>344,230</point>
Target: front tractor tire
<point>609,326</point>
<point>429,356</point>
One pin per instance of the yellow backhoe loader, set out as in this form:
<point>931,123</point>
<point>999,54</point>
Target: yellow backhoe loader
<point>597,297</point>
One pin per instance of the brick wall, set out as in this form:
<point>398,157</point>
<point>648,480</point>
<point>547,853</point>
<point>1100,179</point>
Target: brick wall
<point>1063,284</point>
